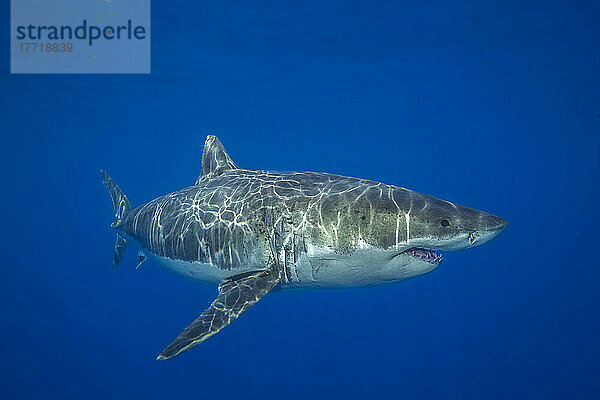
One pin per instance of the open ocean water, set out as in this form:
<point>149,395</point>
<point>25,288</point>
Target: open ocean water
<point>490,105</point>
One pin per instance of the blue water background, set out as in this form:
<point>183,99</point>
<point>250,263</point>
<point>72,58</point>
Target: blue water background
<point>494,105</point>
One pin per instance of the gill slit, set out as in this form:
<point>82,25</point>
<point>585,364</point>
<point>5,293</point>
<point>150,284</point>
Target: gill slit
<point>407,217</point>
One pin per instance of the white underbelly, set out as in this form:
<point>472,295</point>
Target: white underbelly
<point>321,267</point>
<point>198,271</point>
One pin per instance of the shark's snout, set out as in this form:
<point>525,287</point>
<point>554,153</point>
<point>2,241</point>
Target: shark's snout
<point>446,226</point>
<point>489,230</point>
<point>493,223</point>
<point>500,225</point>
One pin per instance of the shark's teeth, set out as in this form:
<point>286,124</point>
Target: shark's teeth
<point>425,255</point>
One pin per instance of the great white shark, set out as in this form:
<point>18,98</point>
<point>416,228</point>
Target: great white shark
<point>251,231</point>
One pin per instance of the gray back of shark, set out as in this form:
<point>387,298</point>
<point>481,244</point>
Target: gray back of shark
<point>250,231</point>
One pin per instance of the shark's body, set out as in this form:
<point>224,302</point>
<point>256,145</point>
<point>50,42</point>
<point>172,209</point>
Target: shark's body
<point>250,231</point>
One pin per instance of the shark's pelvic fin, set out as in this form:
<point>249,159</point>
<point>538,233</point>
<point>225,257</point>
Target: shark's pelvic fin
<point>236,295</point>
<point>122,207</point>
<point>215,159</point>
<point>141,259</point>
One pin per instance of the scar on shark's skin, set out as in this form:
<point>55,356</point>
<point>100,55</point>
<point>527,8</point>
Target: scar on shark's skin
<point>250,232</point>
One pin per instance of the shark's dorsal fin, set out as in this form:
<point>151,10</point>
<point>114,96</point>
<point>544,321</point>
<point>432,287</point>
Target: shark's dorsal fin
<point>215,159</point>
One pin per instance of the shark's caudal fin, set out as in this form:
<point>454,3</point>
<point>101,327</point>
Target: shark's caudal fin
<point>122,207</point>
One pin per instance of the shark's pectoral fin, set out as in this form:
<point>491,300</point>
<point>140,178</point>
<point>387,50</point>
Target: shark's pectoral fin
<point>236,295</point>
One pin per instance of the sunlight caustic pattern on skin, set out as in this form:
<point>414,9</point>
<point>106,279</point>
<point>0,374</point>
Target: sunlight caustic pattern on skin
<point>224,220</point>
<point>235,218</point>
<point>252,230</point>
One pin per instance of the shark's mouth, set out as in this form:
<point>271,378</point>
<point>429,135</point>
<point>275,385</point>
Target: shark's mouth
<point>424,255</point>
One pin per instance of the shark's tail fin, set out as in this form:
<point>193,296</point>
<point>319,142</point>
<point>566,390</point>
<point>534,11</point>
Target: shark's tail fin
<point>122,207</point>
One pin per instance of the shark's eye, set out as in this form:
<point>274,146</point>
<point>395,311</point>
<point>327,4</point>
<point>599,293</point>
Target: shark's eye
<point>445,222</point>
